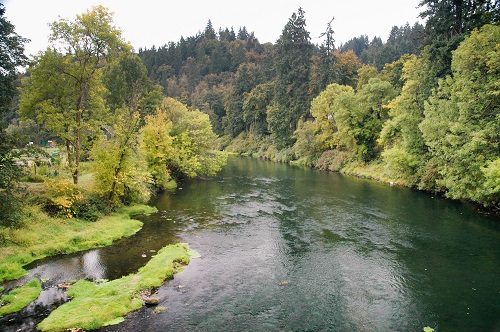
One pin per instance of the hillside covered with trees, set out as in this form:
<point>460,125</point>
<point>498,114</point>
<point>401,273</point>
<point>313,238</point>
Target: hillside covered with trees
<point>420,109</point>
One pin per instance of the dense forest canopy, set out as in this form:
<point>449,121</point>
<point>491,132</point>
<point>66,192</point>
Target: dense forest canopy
<point>420,109</point>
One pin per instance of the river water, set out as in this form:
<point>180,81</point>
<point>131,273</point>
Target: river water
<point>290,249</point>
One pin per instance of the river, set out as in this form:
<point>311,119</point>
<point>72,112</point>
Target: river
<point>286,248</point>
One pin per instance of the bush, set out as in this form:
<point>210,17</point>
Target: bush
<point>333,160</point>
<point>90,208</point>
<point>62,194</point>
<point>402,164</point>
<point>429,177</point>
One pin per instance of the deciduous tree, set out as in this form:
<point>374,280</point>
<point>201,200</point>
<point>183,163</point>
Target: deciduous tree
<point>85,45</point>
<point>461,126</point>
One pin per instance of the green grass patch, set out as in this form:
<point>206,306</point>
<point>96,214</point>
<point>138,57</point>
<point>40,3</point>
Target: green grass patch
<point>133,210</point>
<point>95,305</point>
<point>42,236</point>
<point>19,298</point>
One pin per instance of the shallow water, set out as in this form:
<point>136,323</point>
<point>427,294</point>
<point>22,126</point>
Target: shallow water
<point>291,249</point>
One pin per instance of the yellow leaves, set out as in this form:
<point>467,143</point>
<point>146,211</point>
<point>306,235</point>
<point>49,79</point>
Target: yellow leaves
<point>63,194</point>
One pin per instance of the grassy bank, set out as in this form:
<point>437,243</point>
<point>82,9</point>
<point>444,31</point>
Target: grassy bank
<point>95,305</point>
<point>41,236</point>
<point>20,297</point>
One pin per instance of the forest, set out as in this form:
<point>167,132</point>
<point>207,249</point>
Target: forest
<point>419,110</point>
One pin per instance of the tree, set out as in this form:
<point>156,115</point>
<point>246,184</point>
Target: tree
<point>255,108</point>
<point>192,141</point>
<point>245,80</point>
<point>448,22</point>
<point>449,18</point>
<point>324,70</point>
<point>279,122</point>
<point>11,56</point>
<point>85,45</point>
<point>356,44</point>
<point>118,165</point>
<point>461,126</point>
<point>157,146</point>
<point>120,170</point>
<point>293,54</point>
<point>128,86</point>
<point>322,109</point>
<point>346,65</point>
<point>404,148</point>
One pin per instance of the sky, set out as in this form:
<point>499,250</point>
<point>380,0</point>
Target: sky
<point>145,23</point>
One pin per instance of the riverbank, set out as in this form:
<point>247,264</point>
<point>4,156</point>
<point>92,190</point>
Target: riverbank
<point>42,236</point>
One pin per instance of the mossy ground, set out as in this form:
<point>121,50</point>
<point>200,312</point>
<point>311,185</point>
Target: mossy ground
<point>41,236</point>
<point>95,305</point>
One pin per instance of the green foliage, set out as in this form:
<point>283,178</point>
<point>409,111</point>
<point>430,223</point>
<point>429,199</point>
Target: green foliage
<point>492,183</point>
<point>255,107</point>
<point>402,165</point>
<point>307,145</point>
<point>120,170</point>
<point>20,297</point>
<point>96,305</point>
<point>280,124</point>
<point>65,90</point>
<point>322,110</point>
<point>402,139</point>
<point>12,46</point>
<point>156,144</point>
<point>181,141</point>
<point>12,55</point>
<point>90,208</point>
<point>461,119</point>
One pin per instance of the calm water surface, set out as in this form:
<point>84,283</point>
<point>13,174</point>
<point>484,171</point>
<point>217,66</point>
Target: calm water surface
<point>290,249</point>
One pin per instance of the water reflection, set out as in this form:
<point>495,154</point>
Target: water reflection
<point>92,266</point>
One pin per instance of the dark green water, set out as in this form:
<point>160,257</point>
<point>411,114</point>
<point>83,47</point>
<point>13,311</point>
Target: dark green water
<point>291,249</point>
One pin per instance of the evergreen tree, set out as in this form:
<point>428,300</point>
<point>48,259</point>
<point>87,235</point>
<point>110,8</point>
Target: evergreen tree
<point>292,58</point>
<point>324,69</point>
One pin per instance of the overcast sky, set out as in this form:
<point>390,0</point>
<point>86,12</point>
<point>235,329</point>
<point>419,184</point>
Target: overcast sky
<point>156,22</point>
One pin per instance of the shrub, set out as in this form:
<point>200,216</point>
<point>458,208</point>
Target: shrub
<point>90,208</point>
<point>61,197</point>
<point>333,160</point>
